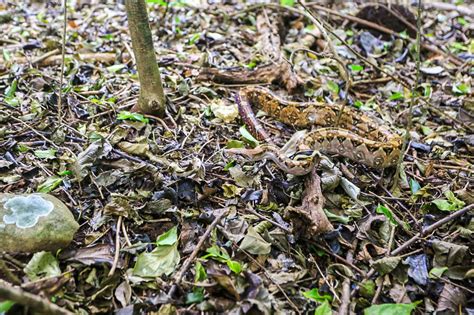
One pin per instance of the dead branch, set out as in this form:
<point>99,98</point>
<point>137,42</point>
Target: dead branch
<point>35,302</point>
<point>279,70</point>
<point>309,219</point>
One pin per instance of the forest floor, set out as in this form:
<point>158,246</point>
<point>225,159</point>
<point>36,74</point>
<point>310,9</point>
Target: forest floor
<point>198,230</point>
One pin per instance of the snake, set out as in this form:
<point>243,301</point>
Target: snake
<point>350,133</point>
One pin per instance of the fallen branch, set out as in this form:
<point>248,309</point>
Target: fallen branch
<point>309,219</point>
<point>35,302</point>
<point>279,70</point>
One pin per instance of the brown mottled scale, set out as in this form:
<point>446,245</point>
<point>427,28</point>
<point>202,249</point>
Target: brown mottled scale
<point>357,136</point>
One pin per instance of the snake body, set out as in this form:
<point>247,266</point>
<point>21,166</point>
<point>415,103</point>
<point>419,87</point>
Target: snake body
<point>356,136</point>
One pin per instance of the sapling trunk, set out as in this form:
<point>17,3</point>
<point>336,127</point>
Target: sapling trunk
<point>152,97</point>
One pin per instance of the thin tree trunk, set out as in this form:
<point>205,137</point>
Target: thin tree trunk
<point>152,97</point>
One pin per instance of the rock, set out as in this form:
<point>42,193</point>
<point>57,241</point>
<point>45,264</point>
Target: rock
<point>34,222</point>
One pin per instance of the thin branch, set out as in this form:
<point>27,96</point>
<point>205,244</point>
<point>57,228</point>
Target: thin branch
<point>34,301</point>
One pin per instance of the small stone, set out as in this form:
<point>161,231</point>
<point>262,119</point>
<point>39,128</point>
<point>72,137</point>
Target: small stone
<point>34,222</point>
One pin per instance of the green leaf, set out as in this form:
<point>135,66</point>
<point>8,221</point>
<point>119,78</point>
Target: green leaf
<point>200,272</point>
<point>115,68</point>
<point>6,55</point>
<point>414,186</point>
<point>159,2</point>
<point>461,88</point>
<point>333,87</point>
<point>336,218</point>
<point>314,295</point>
<point>216,253</point>
<point>194,38</point>
<point>247,136</point>
<point>46,154</point>
<point>124,115</point>
<point>168,238</point>
<point>196,296</point>
<point>10,91</point>
<point>390,309</point>
<point>436,273</point>
<point>235,266</point>
<point>161,261</point>
<point>396,96</point>
<point>358,104</point>
<point>404,34</point>
<point>386,212</point>
<point>288,3</point>
<point>5,306</point>
<point>235,144</point>
<point>42,264</point>
<point>356,68</point>
<point>450,204</point>
<point>323,309</point>
<point>65,173</point>
<point>229,165</point>
<point>50,184</point>
<point>462,21</point>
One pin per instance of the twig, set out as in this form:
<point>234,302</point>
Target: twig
<point>414,94</point>
<point>432,227</point>
<point>44,56</point>
<point>346,285</point>
<point>117,246</point>
<point>179,275</point>
<point>34,301</point>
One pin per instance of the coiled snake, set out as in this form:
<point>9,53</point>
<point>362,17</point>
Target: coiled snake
<point>357,136</point>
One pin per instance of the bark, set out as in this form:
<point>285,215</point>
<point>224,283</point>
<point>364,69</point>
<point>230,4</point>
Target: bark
<point>152,97</point>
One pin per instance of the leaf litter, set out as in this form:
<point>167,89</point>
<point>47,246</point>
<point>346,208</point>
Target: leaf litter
<point>167,179</point>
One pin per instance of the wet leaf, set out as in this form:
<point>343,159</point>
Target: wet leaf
<point>390,309</point>
<point>168,238</point>
<point>5,306</point>
<point>196,296</point>
<point>254,243</point>
<point>124,115</point>
<point>288,3</point>
<point>41,265</point>
<point>386,212</point>
<point>450,204</point>
<point>46,154</point>
<point>323,309</point>
<point>451,298</point>
<point>162,260</point>
<point>248,137</point>
<point>386,265</point>
<point>314,295</point>
<point>418,269</point>
<point>50,184</point>
<point>436,273</point>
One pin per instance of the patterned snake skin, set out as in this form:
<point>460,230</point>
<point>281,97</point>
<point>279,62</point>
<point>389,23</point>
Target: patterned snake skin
<point>356,136</point>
